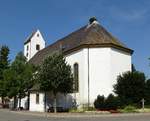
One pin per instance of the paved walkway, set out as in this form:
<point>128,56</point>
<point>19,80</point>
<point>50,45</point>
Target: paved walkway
<point>6,115</point>
<point>87,114</point>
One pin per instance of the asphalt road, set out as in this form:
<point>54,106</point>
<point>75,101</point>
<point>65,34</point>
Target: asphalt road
<point>6,115</point>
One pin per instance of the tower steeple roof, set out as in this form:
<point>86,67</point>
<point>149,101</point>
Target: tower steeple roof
<point>30,36</point>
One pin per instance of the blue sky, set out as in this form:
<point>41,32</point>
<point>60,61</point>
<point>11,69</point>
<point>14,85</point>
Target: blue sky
<point>128,20</point>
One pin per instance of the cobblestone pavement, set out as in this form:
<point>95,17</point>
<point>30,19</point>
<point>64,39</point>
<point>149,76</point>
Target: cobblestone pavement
<point>6,115</point>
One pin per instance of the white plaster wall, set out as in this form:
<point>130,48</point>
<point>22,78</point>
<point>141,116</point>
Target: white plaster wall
<point>105,64</point>
<point>27,51</point>
<point>24,102</point>
<point>37,107</point>
<point>120,63</point>
<point>99,73</point>
<point>64,101</point>
<point>78,57</point>
<point>32,45</point>
<point>99,69</point>
<point>36,40</point>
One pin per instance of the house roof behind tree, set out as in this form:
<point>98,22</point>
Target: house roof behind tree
<point>91,35</point>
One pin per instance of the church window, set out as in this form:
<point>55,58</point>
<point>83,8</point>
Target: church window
<point>76,77</point>
<point>37,98</point>
<point>37,47</point>
<point>37,35</point>
<point>27,55</point>
<point>27,47</point>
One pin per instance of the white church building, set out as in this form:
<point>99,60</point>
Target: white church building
<point>96,58</point>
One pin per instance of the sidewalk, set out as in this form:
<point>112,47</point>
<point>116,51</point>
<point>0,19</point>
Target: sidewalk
<point>86,114</point>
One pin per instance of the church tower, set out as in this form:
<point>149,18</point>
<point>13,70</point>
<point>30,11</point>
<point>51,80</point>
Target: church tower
<point>33,44</point>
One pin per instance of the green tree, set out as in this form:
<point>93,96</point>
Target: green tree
<point>4,64</point>
<point>130,87</point>
<point>147,92</point>
<point>19,77</point>
<point>10,84</point>
<point>18,66</point>
<point>55,75</point>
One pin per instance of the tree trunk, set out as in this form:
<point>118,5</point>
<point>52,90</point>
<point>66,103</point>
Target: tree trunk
<point>28,101</point>
<point>19,103</point>
<point>45,103</point>
<point>55,104</point>
<point>14,102</point>
<point>2,100</point>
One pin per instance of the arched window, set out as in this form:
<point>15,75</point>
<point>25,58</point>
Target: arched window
<point>76,77</point>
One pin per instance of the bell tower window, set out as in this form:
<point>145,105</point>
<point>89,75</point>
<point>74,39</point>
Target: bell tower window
<point>38,47</point>
<point>27,55</point>
<point>27,47</point>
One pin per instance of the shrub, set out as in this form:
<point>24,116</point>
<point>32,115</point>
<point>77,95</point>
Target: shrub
<point>81,109</point>
<point>109,103</point>
<point>147,92</point>
<point>75,110</point>
<point>88,108</point>
<point>129,109</point>
<point>99,102</point>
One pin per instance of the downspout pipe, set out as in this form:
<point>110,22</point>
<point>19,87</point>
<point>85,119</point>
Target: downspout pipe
<point>88,63</point>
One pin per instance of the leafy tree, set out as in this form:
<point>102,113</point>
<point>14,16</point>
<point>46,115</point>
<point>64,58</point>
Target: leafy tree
<point>130,87</point>
<point>18,78</point>
<point>18,66</point>
<point>55,75</point>
<point>147,92</point>
<point>4,64</point>
<point>24,72</point>
<point>10,84</point>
